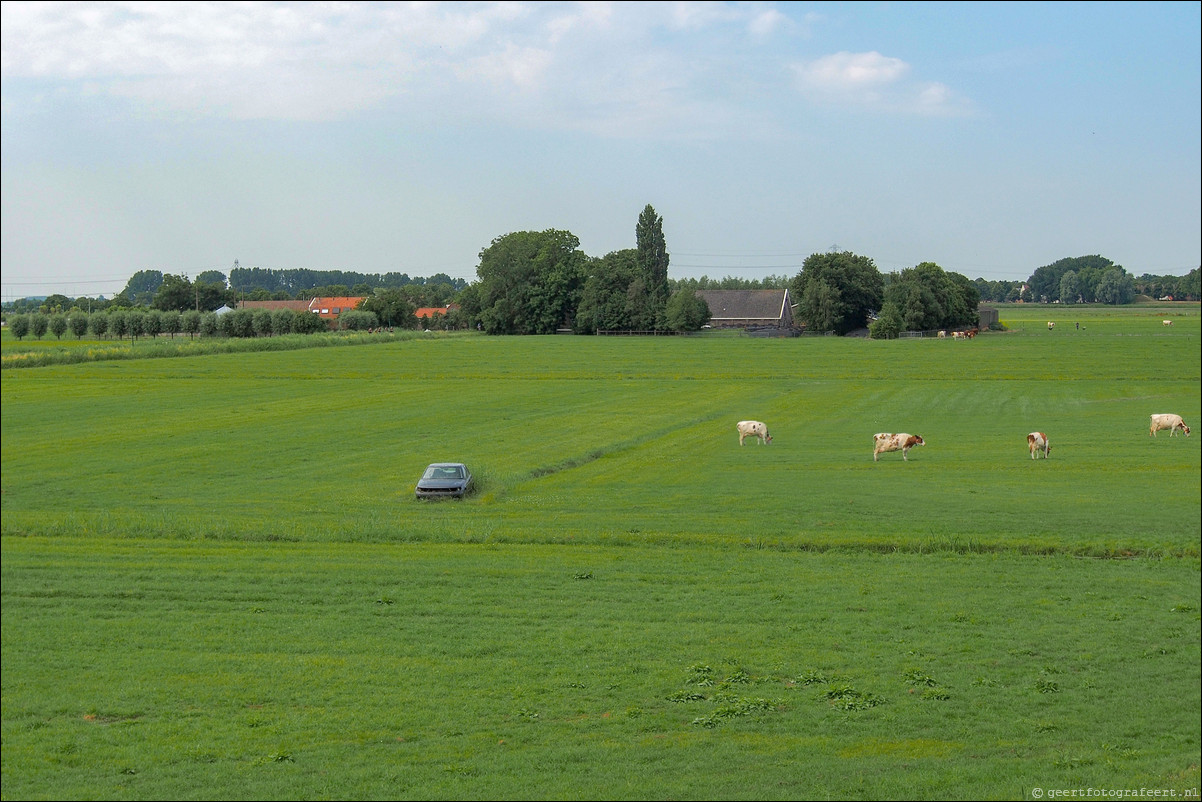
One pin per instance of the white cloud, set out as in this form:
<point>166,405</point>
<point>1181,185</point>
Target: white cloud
<point>872,80</point>
<point>522,67</point>
<point>850,72</point>
<point>767,22</point>
<point>637,68</point>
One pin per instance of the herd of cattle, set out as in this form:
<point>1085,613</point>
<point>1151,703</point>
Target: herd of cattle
<point>884,442</point>
<point>960,335</point>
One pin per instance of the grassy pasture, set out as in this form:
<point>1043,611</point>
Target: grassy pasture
<point>625,440</point>
<point>161,669</point>
<point>217,583</point>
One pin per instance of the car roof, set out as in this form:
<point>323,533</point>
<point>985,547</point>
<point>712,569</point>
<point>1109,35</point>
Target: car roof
<point>446,465</point>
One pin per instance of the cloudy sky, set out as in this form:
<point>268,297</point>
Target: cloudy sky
<point>990,138</point>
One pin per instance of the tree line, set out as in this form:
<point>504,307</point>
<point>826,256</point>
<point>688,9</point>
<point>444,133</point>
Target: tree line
<point>1090,279</point>
<point>540,282</point>
<point>530,282</point>
<point>136,322</point>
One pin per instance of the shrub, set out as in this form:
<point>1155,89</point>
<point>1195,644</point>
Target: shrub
<point>58,325</point>
<point>281,321</point>
<point>119,324</point>
<point>308,323</point>
<point>888,324</point>
<point>358,320</point>
<point>98,322</point>
<point>78,324</point>
<point>190,322</point>
<point>261,322</point>
<point>38,325</point>
<point>19,326</point>
<point>172,323</point>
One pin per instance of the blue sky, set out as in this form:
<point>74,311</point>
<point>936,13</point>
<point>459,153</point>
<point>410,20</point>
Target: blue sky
<point>990,138</point>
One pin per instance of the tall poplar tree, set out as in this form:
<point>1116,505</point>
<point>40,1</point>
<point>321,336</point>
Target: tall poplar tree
<point>653,257</point>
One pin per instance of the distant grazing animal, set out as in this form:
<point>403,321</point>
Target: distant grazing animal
<point>753,428</point>
<point>958,335</point>
<point>971,333</point>
<point>942,334</point>
<point>1051,325</point>
<point>1170,422</point>
<point>1166,322</point>
<point>1036,442</point>
<point>902,442</point>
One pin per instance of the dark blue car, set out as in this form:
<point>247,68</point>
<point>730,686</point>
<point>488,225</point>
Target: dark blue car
<point>445,480</point>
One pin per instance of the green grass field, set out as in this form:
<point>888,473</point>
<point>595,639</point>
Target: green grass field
<point>217,582</point>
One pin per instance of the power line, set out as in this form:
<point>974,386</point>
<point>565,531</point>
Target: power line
<point>62,283</point>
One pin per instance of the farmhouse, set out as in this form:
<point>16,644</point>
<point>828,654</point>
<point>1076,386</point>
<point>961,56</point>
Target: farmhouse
<point>749,309</point>
<point>328,309</point>
<point>431,311</point>
<point>331,308</point>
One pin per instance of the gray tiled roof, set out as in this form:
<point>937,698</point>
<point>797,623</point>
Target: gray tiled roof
<point>769,306</point>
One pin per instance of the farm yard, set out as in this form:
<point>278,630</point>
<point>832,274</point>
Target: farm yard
<point>217,582</point>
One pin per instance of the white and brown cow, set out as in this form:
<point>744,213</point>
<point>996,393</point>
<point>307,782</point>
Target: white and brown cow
<point>885,441</point>
<point>1051,325</point>
<point>1170,422</point>
<point>1166,322</point>
<point>753,428</point>
<point>1036,442</point>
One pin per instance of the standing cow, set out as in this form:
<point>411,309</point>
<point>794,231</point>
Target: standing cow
<point>1036,442</point>
<point>1051,325</point>
<point>753,428</point>
<point>885,441</point>
<point>1170,422</point>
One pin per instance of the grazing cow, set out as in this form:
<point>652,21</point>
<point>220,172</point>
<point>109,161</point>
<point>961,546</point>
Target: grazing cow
<point>971,333</point>
<point>903,442</point>
<point>1170,422</point>
<point>1051,325</point>
<point>753,428</point>
<point>1036,442</point>
<point>1166,322</point>
<point>942,334</point>
<point>958,335</point>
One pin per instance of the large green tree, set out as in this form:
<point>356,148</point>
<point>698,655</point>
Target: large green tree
<point>927,297</point>
<point>142,286</point>
<point>530,282</point>
<point>179,294</point>
<point>1190,286</point>
<point>1115,287</point>
<point>55,304</point>
<point>1045,282</point>
<point>615,295</point>
<point>211,277</point>
<point>392,307</point>
<point>175,292</point>
<point>836,291</point>
<point>686,311</point>
<point>653,256</point>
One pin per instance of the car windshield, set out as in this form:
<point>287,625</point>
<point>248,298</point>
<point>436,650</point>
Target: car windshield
<point>444,472</point>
